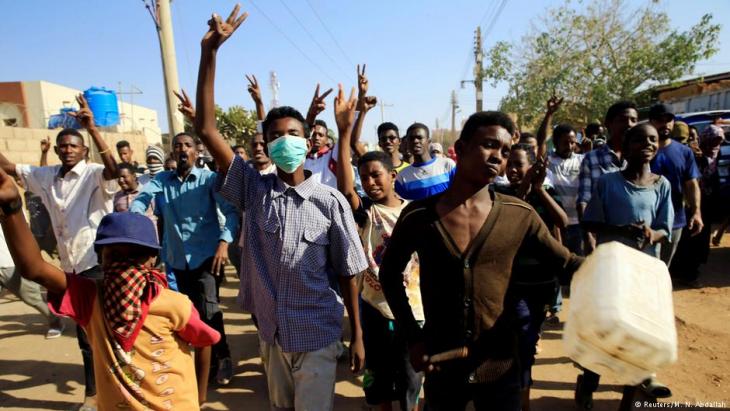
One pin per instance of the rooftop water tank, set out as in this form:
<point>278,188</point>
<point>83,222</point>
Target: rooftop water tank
<point>103,103</point>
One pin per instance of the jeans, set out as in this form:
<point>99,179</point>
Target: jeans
<point>573,239</point>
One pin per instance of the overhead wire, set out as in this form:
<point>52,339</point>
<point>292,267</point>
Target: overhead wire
<point>314,63</point>
<point>312,38</point>
<point>189,66</point>
<point>334,39</point>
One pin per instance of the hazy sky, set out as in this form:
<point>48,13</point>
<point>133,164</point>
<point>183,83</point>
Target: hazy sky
<point>416,51</point>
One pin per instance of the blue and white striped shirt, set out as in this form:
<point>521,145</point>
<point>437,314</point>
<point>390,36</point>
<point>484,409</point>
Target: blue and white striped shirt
<point>416,182</point>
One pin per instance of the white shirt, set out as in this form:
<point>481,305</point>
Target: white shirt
<point>5,259</point>
<point>323,167</point>
<point>76,203</point>
<point>565,173</point>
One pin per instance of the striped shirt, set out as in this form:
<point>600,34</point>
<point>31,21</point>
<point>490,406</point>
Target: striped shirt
<point>596,163</point>
<point>294,236</point>
<point>565,172</point>
<point>420,181</point>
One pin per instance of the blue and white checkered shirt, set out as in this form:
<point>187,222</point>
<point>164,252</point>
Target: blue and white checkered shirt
<point>294,236</point>
<point>596,163</point>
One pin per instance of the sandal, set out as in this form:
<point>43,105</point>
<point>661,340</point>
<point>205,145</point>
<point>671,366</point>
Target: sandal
<point>655,389</point>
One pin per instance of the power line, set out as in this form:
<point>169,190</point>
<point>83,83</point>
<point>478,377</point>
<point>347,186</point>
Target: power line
<point>189,66</point>
<point>314,63</point>
<point>334,39</point>
<point>312,37</point>
<point>490,26</point>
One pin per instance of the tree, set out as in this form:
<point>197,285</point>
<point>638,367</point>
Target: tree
<point>594,56</point>
<point>237,125</point>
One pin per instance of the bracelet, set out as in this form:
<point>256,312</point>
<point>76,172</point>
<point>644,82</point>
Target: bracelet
<point>105,151</point>
<point>11,208</point>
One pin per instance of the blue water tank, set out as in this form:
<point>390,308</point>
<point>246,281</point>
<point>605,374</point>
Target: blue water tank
<point>103,103</point>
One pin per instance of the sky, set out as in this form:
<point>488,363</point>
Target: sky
<point>416,52</point>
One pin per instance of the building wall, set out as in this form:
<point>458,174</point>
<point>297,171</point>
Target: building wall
<point>37,101</point>
<point>22,145</point>
<point>698,97</point>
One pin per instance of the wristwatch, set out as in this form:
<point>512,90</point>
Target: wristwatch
<point>11,208</point>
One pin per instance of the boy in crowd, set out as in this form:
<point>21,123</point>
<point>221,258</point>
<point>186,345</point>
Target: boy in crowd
<point>130,189</point>
<point>607,158</point>
<point>426,176</point>
<point>466,239</point>
<point>389,376</point>
<point>188,204</point>
<point>564,167</point>
<point>296,230</point>
<point>77,195</point>
<point>676,162</point>
<point>155,158</point>
<point>389,141</point>
<point>126,155</point>
<point>139,330</point>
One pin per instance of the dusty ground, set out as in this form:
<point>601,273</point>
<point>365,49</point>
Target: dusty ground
<point>47,375</point>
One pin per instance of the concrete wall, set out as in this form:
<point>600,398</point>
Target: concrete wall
<point>22,145</point>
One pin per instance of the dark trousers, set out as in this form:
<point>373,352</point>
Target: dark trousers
<point>452,391</point>
<point>87,356</point>
<point>202,287</point>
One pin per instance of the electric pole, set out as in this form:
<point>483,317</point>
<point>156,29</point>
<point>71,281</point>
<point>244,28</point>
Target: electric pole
<point>454,106</point>
<point>274,86</point>
<point>162,18</point>
<point>382,105</point>
<point>478,69</point>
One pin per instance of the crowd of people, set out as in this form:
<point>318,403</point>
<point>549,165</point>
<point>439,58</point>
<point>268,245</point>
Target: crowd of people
<point>448,264</point>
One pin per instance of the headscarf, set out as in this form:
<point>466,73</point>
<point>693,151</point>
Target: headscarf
<point>680,132</point>
<point>710,133</point>
<point>155,152</point>
<point>128,291</point>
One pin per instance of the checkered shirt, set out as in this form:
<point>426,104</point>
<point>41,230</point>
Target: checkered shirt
<point>294,237</point>
<point>596,163</point>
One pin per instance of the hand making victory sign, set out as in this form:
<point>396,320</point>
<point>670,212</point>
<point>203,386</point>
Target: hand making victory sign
<point>317,105</point>
<point>84,115</point>
<point>255,91</point>
<point>220,31</point>
<point>185,106</point>
<point>364,102</point>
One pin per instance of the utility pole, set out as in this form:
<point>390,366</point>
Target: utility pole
<point>478,69</point>
<point>162,18</point>
<point>382,105</point>
<point>274,86</point>
<point>454,106</point>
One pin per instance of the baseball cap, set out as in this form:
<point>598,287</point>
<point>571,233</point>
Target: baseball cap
<point>661,110</point>
<point>126,228</point>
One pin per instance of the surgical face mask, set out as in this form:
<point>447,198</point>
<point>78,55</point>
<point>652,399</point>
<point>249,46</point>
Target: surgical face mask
<point>288,152</point>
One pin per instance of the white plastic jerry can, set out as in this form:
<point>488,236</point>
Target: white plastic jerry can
<point>621,318</point>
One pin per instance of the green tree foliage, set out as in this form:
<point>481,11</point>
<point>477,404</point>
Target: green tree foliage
<point>594,55</point>
<point>237,125</point>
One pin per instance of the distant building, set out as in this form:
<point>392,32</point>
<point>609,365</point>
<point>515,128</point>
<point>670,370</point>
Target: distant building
<point>697,94</point>
<point>30,104</point>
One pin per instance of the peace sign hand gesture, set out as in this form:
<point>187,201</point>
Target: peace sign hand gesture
<point>553,104</point>
<point>317,105</point>
<point>219,31</point>
<point>362,82</point>
<point>253,89</point>
<point>185,106</point>
<point>84,116</point>
<point>345,109</point>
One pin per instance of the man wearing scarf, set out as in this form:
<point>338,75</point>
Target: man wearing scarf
<point>155,158</point>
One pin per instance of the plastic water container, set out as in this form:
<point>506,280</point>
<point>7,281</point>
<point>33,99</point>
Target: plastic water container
<point>103,103</point>
<point>621,318</point>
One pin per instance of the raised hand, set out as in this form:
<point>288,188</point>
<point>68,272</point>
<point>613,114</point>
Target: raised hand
<point>219,31</point>
<point>317,105</point>
<point>553,104</point>
<point>345,109</point>
<point>362,82</point>
<point>253,89</point>
<point>537,173</point>
<point>45,144</point>
<point>84,116</point>
<point>185,106</point>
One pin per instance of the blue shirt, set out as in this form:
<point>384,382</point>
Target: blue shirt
<point>417,182</point>
<point>595,164</point>
<point>618,202</point>
<point>293,237</point>
<point>677,163</point>
<point>191,228</point>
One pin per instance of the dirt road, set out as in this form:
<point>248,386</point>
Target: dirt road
<point>47,375</point>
